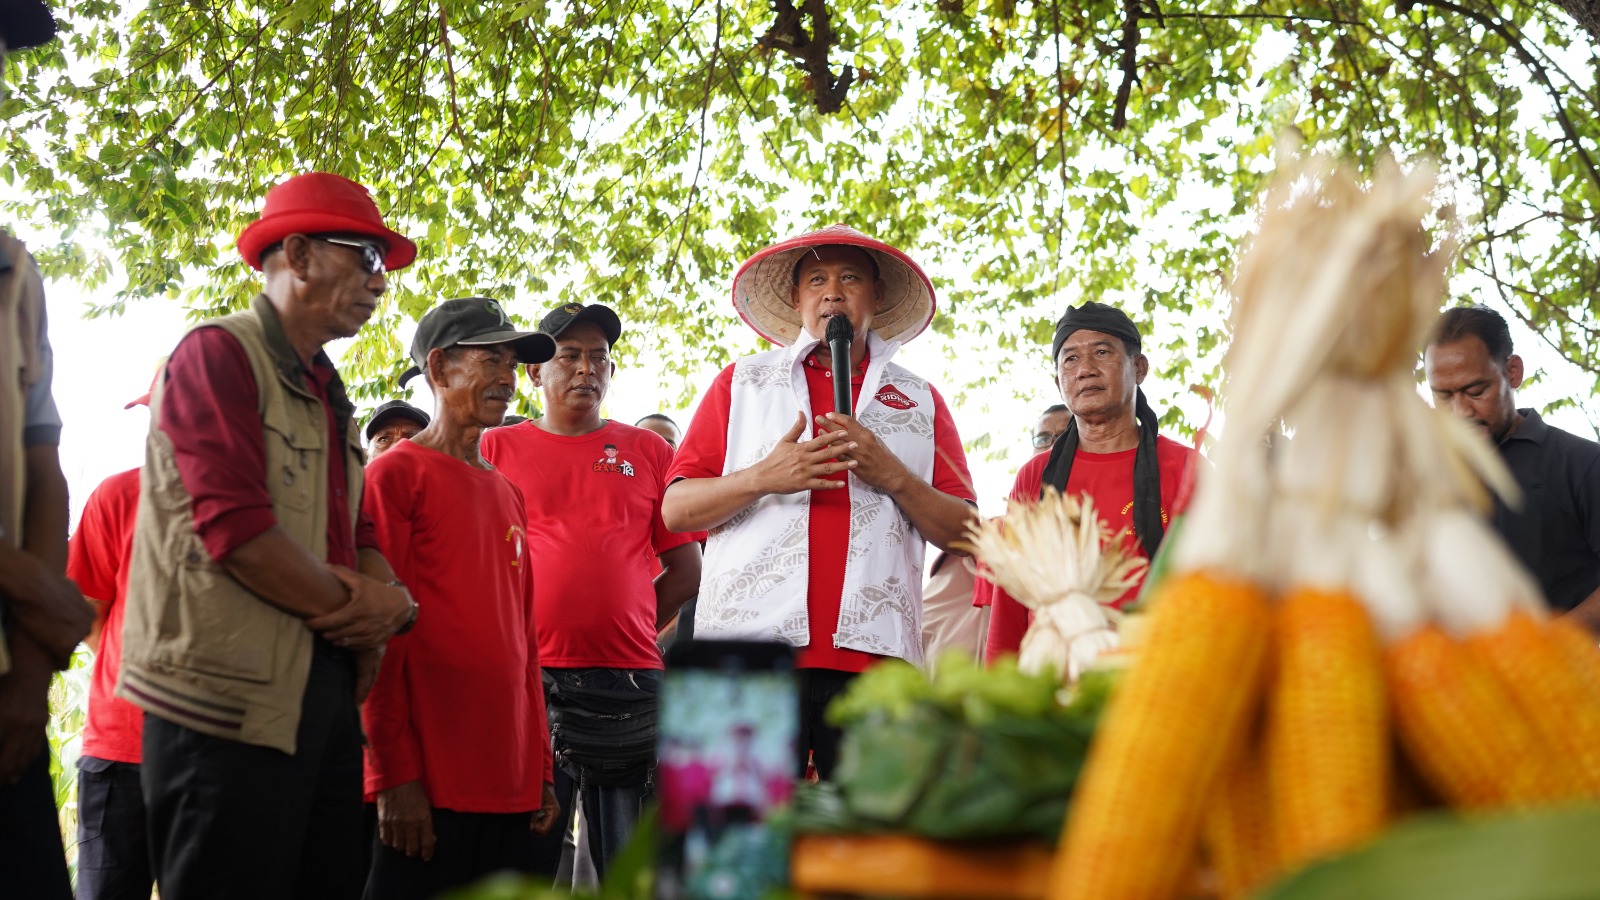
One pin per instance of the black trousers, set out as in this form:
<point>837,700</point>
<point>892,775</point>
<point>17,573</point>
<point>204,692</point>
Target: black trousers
<point>235,820</point>
<point>113,852</point>
<point>469,847</point>
<point>818,687</point>
<point>33,864</point>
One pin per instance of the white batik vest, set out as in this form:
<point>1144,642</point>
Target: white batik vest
<point>755,568</point>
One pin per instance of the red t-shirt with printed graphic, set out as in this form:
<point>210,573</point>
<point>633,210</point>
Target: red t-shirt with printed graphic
<point>594,532</point>
<point>459,700</point>
<point>705,448</point>
<point>97,559</point>
<point>1108,478</point>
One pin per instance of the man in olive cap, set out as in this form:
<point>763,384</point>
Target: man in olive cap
<point>1110,450</point>
<point>458,751</point>
<point>42,615</point>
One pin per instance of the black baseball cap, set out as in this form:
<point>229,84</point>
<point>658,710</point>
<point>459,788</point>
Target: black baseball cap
<point>473,322</point>
<point>389,410</point>
<point>559,319</point>
<point>25,23</point>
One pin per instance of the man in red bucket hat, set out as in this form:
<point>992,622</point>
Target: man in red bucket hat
<point>257,604</point>
<point>819,520</point>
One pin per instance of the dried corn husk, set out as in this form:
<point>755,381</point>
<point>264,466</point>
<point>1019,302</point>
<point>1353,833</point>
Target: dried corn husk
<point>1057,559</point>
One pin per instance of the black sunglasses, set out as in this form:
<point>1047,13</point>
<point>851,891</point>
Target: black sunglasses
<point>371,251</point>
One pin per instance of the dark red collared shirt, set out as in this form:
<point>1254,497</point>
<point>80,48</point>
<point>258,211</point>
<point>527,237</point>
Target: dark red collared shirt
<point>208,411</point>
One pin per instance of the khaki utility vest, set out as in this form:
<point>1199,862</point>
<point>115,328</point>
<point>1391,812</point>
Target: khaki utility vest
<point>21,315</point>
<point>199,649</point>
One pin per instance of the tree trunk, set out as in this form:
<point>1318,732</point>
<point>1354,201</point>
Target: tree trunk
<point>1586,13</point>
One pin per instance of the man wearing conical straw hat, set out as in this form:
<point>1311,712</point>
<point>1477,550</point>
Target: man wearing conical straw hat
<point>818,519</point>
<point>1110,450</point>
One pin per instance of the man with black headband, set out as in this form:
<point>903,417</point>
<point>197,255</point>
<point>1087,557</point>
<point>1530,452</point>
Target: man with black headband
<point>1110,451</point>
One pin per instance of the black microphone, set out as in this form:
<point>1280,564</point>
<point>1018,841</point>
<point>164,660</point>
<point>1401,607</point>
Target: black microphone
<point>841,334</point>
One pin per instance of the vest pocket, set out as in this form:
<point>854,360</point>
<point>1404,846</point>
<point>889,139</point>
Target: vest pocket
<point>294,449</point>
<point>220,628</point>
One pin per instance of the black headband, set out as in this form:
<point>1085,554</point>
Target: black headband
<point>1092,316</point>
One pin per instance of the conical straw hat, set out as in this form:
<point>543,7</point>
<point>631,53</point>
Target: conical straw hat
<point>761,289</point>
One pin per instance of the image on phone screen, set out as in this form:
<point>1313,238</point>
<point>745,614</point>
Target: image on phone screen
<point>727,735</point>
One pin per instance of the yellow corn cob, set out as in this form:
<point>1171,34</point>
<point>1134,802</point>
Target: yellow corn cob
<point>1328,724</point>
<point>1181,712</point>
<point>1461,728</point>
<point>1238,826</point>
<point>1552,695</point>
<point>1578,644</point>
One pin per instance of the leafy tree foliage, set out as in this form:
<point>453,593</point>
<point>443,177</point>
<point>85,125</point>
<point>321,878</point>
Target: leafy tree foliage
<point>631,152</point>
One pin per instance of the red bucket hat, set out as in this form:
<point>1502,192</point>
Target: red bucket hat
<point>761,287</point>
<point>317,203</point>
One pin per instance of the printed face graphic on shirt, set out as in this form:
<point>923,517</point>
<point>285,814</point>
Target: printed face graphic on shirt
<point>613,462</point>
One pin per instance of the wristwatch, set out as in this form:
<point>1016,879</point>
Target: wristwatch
<point>411,618</point>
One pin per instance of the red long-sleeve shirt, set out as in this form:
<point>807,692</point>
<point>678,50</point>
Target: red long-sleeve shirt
<point>459,703</point>
<point>208,411</point>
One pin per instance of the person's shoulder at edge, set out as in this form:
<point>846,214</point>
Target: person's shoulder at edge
<point>1166,446</point>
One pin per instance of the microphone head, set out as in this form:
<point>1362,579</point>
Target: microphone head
<point>840,329</point>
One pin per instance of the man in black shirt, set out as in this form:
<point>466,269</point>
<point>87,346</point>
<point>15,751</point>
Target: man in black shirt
<point>1556,532</point>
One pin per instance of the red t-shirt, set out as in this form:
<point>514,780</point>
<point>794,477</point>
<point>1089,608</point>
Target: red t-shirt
<point>459,702</point>
<point>702,455</point>
<point>1108,478</point>
<point>208,411</point>
<point>97,559</point>
<point>594,529</point>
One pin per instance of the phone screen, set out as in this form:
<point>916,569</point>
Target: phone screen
<point>728,726</point>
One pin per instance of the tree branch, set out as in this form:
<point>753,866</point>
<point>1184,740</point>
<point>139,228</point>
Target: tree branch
<point>1130,62</point>
<point>700,159</point>
<point>1533,64</point>
<point>811,50</point>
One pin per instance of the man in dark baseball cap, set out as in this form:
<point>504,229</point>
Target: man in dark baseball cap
<point>563,317</point>
<point>476,322</point>
<point>24,24</point>
<point>392,422</point>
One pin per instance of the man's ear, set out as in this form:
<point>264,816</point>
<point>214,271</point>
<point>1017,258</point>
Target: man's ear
<point>297,255</point>
<point>533,373</point>
<point>436,363</point>
<point>1141,368</point>
<point>794,296</point>
<point>879,291</point>
<point>1514,371</point>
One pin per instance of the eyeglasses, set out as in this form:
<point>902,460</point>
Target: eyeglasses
<point>372,252</point>
<point>1044,440</point>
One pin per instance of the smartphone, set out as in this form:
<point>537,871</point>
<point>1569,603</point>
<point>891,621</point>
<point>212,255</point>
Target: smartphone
<point>729,723</point>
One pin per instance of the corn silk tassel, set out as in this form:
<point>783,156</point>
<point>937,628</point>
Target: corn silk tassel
<point>1057,559</point>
